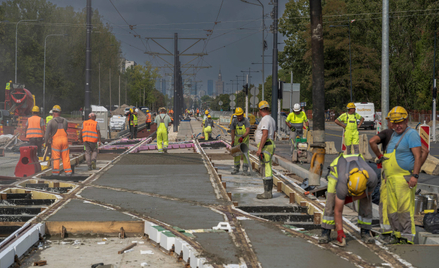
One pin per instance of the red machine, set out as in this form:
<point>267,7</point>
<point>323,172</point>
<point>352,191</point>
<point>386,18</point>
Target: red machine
<point>28,164</point>
<point>21,101</point>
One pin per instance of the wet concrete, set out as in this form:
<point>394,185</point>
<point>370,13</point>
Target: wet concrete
<point>175,213</point>
<point>420,255</point>
<point>77,210</point>
<point>161,159</point>
<point>219,248</point>
<point>276,249</point>
<point>8,164</point>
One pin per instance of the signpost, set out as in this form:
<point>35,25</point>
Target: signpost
<point>424,132</point>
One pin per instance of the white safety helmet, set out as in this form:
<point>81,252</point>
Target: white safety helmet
<point>297,107</point>
<point>137,110</point>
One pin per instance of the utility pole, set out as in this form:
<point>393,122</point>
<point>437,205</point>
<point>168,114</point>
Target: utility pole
<point>274,93</point>
<point>434,84</point>
<point>87,106</point>
<point>119,90</point>
<point>385,66</point>
<point>318,93</point>
<point>109,78</point>
<point>176,84</point>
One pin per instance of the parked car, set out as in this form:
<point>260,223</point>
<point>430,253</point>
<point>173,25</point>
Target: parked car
<point>367,111</point>
<point>117,122</point>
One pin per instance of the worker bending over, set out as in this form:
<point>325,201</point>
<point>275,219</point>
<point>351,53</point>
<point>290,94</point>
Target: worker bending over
<point>35,129</point>
<point>91,136</point>
<point>148,120</point>
<point>295,122</point>
<point>56,136</point>
<point>240,129</point>
<point>208,125</point>
<point>350,179</point>
<point>264,139</point>
<point>163,121</point>
<point>348,121</point>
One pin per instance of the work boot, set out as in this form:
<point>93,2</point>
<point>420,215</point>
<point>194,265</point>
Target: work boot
<point>366,236</point>
<point>165,150</point>
<point>245,171</point>
<point>385,238</point>
<point>268,186</point>
<point>325,237</point>
<point>90,167</point>
<point>394,240</point>
<point>93,164</point>
<point>235,170</point>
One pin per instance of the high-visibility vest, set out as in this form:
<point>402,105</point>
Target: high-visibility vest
<point>8,86</point>
<point>34,127</point>
<point>89,131</point>
<point>134,121</point>
<point>48,118</point>
<point>148,118</point>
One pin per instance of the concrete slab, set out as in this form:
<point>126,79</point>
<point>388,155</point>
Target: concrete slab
<point>175,213</point>
<point>219,248</point>
<point>77,210</point>
<point>161,159</point>
<point>424,256</point>
<point>275,249</point>
<point>8,163</point>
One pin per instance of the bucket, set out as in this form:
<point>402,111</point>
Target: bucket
<point>431,201</point>
<point>239,149</point>
<point>420,204</point>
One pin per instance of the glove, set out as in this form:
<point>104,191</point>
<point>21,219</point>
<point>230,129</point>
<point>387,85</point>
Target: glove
<point>241,139</point>
<point>233,143</point>
<point>261,156</point>
<point>293,129</point>
<point>340,236</point>
<point>380,160</point>
<point>348,200</point>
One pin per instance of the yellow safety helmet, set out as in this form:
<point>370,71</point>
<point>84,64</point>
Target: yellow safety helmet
<point>209,116</point>
<point>10,81</point>
<point>397,114</point>
<point>351,105</point>
<point>56,108</point>
<point>239,111</point>
<point>147,110</point>
<point>357,182</point>
<point>263,104</point>
<point>36,109</point>
<point>206,112</point>
<point>131,110</point>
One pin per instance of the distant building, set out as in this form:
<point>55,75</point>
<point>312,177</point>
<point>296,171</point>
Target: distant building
<point>219,84</point>
<point>210,88</point>
<point>129,63</point>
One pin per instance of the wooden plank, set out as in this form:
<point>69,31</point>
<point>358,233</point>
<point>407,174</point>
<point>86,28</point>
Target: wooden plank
<point>95,227</point>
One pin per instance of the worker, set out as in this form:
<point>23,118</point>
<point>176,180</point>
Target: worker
<point>239,130</point>
<point>148,120</point>
<point>401,166</point>
<point>133,123</point>
<point>348,121</point>
<point>35,129</point>
<point>295,122</point>
<point>264,139</point>
<point>8,94</point>
<point>350,179</point>
<point>56,136</point>
<point>208,125</point>
<point>49,117</point>
<point>163,121</point>
<point>198,112</point>
<point>91,136</point>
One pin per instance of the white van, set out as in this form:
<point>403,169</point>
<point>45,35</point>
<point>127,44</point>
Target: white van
<point>367,111</point>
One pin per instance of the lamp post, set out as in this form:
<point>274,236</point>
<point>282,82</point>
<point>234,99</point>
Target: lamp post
<point>44,71</point>
<point>16,42</point>
<point>350,51</point>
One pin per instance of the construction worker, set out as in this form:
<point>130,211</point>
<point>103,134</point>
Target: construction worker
<point>163,121</point>
<point>206,113</point>
<point>401,166</point>
<point>133,123</point>
<point>348,121</point>
<point>198,112</point>
<point>239,130</point>
<point>91,136</point>
<point>8,94</point>
<point>264,139</point>
<point>35,129</point>
<point>208,125</point>
<point>148,120</point>
<point>56,136</point>
<point>350,179</point>
<point>295,122</point>
<point>49,117</point>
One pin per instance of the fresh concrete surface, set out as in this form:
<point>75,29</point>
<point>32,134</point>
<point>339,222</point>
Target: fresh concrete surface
<point>219,247</point>
<point>89,252</point>
<point>420,255</point>
<point>78,210</point>
<point>161,159</point>
<point>8,164</point>
<point>175,213</point>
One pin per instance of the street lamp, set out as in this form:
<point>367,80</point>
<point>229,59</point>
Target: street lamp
<point>350,52</point>
<point>263,42</point>
<point>44,70</point>
<point>16,38</point>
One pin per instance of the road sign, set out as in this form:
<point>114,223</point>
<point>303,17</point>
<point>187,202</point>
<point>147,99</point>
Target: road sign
<point>253,106</point>
<point>303,104</point>
<point>232,103</point>
<point>254,100</point>
<point>232,97</point>
<point>424,132</point>
<point>220,103</point>
<point>254,91</point>
<point>232,107</point>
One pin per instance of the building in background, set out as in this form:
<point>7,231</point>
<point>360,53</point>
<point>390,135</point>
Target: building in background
<point>219,84</point>
<point>129,63</point>
<point>210,88</point>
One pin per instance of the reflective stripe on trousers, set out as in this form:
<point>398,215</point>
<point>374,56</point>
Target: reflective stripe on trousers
<point>268,151</point>
<point>60,150</point>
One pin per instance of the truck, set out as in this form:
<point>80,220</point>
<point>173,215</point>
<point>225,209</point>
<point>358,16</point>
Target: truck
<point>367,111</point>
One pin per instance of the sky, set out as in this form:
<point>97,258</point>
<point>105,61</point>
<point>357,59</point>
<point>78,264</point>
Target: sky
<point>236,41</point>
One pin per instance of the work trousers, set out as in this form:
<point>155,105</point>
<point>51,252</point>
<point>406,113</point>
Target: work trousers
<point>162,138</point>
<point>207,131</point>
<point>297,132</point>
<point>351,137</point>
<point>91,151</point>
<point>148,126</point>
<point>268,151</point>
<point>237,159</point>
<point>60,151</point>
<point>133,132</point>
<point>384,218</point>
<point>37,142</point>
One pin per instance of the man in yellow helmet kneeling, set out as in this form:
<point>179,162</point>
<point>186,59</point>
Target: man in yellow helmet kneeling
<point>350,179</point>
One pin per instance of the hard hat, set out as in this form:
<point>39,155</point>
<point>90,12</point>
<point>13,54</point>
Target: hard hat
<point>91,115</point>
<point>56,108</point>
<point>297,107</point>
<point>209,116</point>
<point>10,81</point>
<point>50,112</point>
<point>206,112</point>
<point>397,114</point>
<point>357,181</point>
<point>263,104</point>
<point>351,105</point>
<point>137,110</point>
<point>36,109</point>
<point>388,115</point>
<point>147,110</point>
<point>239,111</point>
<point>131,110</point>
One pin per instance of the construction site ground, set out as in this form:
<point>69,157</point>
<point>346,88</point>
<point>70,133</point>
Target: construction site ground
<point>184,194</point>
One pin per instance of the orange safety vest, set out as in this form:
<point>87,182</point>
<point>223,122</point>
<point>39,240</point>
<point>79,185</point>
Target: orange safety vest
<point>89,131</point>
<point>148,118</point>
<point>34,127</point>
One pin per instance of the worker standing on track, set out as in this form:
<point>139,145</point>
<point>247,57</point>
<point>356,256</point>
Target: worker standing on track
<point>8,94</point>
<point>35,129</point>
<point>264,139</point>
<point>295,122</point>
<point>133,124</point>
<point>348,121</point>
<point>206,113</point>
<point>198,112</point>
<point>350,179</point>
<point>401,166</point>
<point>239,130</point>
<point>49,117</point>
<point>163,121</point>
<point>91,136</point>
<point>56,135</point>
<point>148,120</point>
<point>208,125</point>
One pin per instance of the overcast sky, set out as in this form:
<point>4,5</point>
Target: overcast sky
<point>239,30</point>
